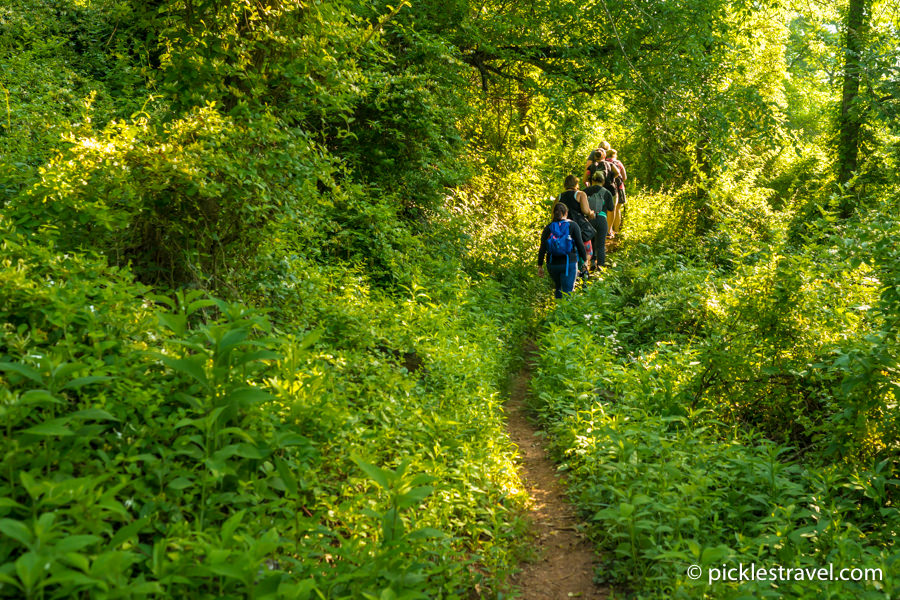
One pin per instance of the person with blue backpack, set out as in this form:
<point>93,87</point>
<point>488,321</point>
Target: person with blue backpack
<point>561,243</point>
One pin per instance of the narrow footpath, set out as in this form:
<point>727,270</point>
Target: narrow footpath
<point>564,567</point>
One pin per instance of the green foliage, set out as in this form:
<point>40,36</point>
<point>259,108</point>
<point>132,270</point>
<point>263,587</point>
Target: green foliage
<point>183,203</point>
<point>180,448</point>
<point>717,416</point>
<point>115,477</point>
<point>60,65</point>
<point>246,56</point>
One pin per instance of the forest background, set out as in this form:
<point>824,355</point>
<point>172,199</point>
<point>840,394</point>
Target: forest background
<point>266,267</point>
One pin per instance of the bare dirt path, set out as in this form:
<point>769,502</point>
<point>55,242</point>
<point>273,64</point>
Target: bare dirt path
<point>565,560</point>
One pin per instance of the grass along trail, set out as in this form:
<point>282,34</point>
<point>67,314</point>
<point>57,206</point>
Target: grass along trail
<point>563,566</point>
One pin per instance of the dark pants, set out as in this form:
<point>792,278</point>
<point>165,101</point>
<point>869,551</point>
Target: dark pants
<point>563,276</point>
<point>599,242</point>
<point>623,204</point>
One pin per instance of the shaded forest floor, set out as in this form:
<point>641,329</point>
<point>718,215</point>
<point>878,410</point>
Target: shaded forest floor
<point>563,564</point>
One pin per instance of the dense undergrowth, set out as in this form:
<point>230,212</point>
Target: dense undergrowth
<point>185,446</point>
<point>728,402</point>
<point>251,343</point>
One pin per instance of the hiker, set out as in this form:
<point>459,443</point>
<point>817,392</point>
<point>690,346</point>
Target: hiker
<point>619,217</point>
<point>607,174</point>
<point>596,162</point>
<point>574,199</point>
<point>579,211</point>
<point>603,205</point>
<point>561,242</point>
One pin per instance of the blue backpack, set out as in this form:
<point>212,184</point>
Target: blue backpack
<point>560,242</point>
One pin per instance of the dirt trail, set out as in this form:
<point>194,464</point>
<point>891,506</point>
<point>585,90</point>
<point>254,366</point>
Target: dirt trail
<point>565,564</point>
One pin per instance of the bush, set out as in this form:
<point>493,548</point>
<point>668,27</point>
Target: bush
<point>183,203</point>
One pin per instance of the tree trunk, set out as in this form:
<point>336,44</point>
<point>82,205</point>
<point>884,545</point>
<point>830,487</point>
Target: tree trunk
<point>850,120</point>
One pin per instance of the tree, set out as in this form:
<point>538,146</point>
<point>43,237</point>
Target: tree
<point>851,115</point>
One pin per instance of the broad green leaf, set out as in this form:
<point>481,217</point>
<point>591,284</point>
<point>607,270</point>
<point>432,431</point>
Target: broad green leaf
<point>67,576</point>
<point>17,531</point>
<point>231,339</point>
<point>34,488</point>
<point>713,555</point>
<point>148,588</point>
<point>214,415</point>
<point>426,533</point>
<point>38,396</point>
<point>23,370</point>
<point>82,381</point>
<point>187,366</point>
<point>229,526</point>
<point>115,561</point>
<point>413,497</point>
<point>247,395</point>
<point>10,503</point>
<point>420,479</point>
<point>176,323</point>
<point>286,439</point>
<point>217,467</point>
<point>198,423</point>
<point>11,581</point>
<point>198,304</point>
<point>249,357</point>
<point>56,427</point>
<point>225,431</point>
<point>252,452</point>
<point>287,477</point>
<point>132,529</point>
<point>93,414</point>
<point>30,567</point>
<point>65,369</point>
<point>73,543</point>
<point>311,338</point>
<point>380,476</point>
<point>180,483</point>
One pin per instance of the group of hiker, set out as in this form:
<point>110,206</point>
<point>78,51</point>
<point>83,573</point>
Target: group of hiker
<point>575,241</point>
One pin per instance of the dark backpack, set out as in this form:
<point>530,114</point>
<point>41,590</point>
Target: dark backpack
<point>610,175</point>
<point>560,241</point>
<point>575,214</point>
<point>599,165</point>
<point>595,201</point>
<point>610,182</point>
